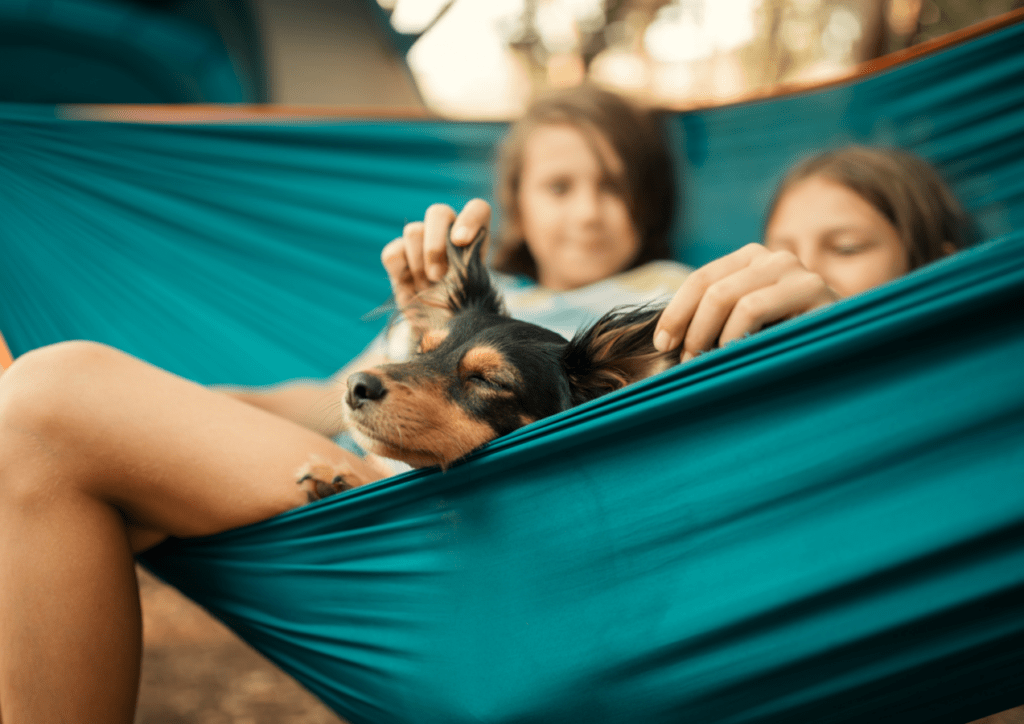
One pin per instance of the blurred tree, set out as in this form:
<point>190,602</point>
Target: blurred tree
<point>558,42</point>
<point>682,53</point>
<point>938,17</point>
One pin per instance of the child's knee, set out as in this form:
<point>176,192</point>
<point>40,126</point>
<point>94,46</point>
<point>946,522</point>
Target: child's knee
<point>38,392</point>
<point>42,413</point>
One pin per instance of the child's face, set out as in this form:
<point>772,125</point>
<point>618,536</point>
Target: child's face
<point>572,213</point>
<point>837,234</point>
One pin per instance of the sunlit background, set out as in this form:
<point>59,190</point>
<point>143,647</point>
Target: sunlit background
<point>473,59</point>
<point>485,58</point>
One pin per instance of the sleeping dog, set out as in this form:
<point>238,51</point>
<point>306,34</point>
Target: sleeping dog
<point>477,373</point>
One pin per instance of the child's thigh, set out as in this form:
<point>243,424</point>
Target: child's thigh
<point>175,457</point>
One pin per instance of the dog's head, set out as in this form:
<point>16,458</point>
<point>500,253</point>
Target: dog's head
<point>477,373</point>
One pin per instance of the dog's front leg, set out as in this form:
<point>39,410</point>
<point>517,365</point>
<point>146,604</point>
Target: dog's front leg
<point>325,478</point>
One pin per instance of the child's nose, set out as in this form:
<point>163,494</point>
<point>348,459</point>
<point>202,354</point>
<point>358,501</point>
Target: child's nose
<point>587,203</point>
<point>809,257</point>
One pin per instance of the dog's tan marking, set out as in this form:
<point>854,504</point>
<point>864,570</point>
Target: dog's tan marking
<point>417,425</point>
<point>525,420</point>
<point>490,364</point>
<point>483,360</point>
<point>432,339</point>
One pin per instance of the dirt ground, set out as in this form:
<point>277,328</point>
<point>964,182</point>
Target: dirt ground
<point>196,671</point>
<point>1010,716</point>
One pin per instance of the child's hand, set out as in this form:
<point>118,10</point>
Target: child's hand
<point>737,295</point>
<point>418,259</point>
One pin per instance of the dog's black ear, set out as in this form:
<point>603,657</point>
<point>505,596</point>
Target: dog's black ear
<point>466,284</point>
<point>617,350</point>
<point>467,280</point>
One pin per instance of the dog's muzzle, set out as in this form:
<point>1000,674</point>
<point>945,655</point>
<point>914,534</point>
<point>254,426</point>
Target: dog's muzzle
<point>364,387</point>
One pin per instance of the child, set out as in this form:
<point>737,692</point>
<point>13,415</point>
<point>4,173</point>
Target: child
<point>841,223</point>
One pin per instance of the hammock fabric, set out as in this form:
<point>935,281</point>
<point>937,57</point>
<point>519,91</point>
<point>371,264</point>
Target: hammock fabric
<point>824,522</point>
<point>112,51</point>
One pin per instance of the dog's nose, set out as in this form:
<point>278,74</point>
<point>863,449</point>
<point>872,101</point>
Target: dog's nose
<point>364,387</point>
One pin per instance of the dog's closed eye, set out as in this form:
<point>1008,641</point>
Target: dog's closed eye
<point>487,368</point>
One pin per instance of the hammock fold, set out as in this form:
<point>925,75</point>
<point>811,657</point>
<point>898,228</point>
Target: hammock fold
<point>823,522</point>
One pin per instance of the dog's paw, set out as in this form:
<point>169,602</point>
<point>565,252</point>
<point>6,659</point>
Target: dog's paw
<point>324,479</point>
<point>320,489</point>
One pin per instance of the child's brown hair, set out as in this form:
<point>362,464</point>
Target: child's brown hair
<point>636,135</point>
<point>907,190</point>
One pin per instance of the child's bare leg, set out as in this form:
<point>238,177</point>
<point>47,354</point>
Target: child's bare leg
<point>100,452</point>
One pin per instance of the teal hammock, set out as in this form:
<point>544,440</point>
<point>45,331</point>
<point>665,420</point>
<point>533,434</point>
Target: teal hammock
<point>824,522</point>
<point>119,51</point>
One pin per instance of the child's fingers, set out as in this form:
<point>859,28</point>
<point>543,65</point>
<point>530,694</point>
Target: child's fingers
<point>720,300</point>
<point>413,237</point>
<point>739,289</point>
<point>713,311</point>
<point>675,320</point>
<point>397,267</point>
<point>419,258</point>
<point>795,293</point>
<point>392,257</point>
<point>475,215</point>
<point>436,223</point>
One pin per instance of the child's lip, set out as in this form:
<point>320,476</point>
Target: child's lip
<point>589,243</point>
